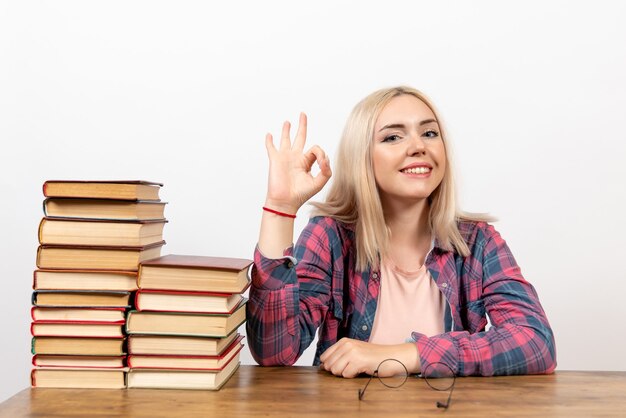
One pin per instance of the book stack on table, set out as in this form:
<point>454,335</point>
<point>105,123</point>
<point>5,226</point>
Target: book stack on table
<point>92,238</point>
<point>182,333</point>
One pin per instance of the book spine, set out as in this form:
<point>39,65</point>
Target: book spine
<point>32,346</point>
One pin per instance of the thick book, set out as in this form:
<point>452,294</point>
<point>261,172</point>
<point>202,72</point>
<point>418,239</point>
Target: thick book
<point>78,346</point>
<point>103,189</point>
<point>60,207</point>
<point>68,361</point>
<point>137,361</point>
<point>81,298</point>
<point>84,280</point>
<point>79,314</point>
<point>55,377</point>
<point>76,329</point>
<point>195,273</point>
<point>176,301</point>
<point>176,323</point>
<point>75,231</point>
<point>86,257</point>
<point>182,379</point>
<point>179,345</point>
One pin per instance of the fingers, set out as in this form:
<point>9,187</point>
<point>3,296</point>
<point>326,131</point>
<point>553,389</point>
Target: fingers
<point>341,359</point>
<point>285,141</point>
<point>269,144</point>
<point>317,154</point>
<point>300,139</point>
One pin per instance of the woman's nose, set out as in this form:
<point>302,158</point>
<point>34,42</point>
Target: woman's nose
<point>416,145</point>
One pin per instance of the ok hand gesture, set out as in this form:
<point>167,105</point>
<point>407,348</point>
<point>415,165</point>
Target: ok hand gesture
<point>290,182</point>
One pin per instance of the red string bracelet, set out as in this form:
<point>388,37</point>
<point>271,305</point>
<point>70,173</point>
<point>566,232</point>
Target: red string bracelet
<point>286,215</point>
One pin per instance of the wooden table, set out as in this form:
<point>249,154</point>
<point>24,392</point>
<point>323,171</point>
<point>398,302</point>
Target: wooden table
<point>308,392</point>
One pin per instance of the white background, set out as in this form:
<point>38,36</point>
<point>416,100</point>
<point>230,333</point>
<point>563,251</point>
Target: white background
<point>183,93</point>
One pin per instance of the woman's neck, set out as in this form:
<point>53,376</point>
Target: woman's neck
<point>411,237</point>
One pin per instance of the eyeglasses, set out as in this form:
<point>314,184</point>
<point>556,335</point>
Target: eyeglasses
<point>393,373</point>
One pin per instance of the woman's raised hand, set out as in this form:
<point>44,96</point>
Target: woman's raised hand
<point>291,182</point>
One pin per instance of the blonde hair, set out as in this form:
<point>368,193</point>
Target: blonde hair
<point>353,196</point>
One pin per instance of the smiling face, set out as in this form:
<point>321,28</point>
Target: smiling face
<point>408,155</point>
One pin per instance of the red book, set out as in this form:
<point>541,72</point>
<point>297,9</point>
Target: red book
<point>70,361</point>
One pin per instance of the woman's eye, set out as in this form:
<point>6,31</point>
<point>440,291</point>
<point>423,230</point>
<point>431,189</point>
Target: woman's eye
<point>431,133</point>
<point>391,138</point>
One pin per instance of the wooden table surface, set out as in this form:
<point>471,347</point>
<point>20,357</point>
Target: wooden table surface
<point>308,392</point>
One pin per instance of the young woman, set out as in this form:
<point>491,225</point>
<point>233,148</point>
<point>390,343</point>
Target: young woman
<point>388,266</point>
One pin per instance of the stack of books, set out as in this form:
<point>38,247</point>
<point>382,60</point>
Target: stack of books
<point>92,238</point>
<point>182,333</point>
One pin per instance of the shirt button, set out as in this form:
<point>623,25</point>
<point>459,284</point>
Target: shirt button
<point>289,264</point>
<point>444,285</point>
<point>364,327</point>
<point>375,275</point>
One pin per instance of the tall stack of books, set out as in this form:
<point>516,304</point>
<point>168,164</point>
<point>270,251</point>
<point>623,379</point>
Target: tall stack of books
<point>183,331</point>
<point>92,238</point>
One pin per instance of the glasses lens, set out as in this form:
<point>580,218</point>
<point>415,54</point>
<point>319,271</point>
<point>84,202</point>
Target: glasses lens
<point>439,376</point>
<point>392,373</point>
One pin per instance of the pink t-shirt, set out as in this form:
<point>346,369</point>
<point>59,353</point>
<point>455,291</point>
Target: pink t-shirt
<point>408,301</point>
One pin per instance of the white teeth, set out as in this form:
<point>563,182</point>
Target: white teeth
<point>417,170</point>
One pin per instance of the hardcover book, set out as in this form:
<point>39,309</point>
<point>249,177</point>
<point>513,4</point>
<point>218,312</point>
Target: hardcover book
<point>75,231</point>
<point>84,298</point>
<point>103,208</point>
<point>137,361</point>
<point>78,378</point>
<point>77,329</point>
<point>175,301</point>
<point>182,379</point>
<point>194,273</point>
<point>67,361</point>
<point>84,280</point>
<point>179,345</point>
<point>176,323</point>
<point>93,258</point>
<point>103,189</point>
<point>78,346</point>
<point>68,314</point>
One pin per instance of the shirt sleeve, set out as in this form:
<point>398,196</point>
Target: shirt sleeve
<point>520,340</point>
<point>289,297</point>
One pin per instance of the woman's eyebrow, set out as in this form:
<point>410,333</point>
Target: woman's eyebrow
<point>402,126</point>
